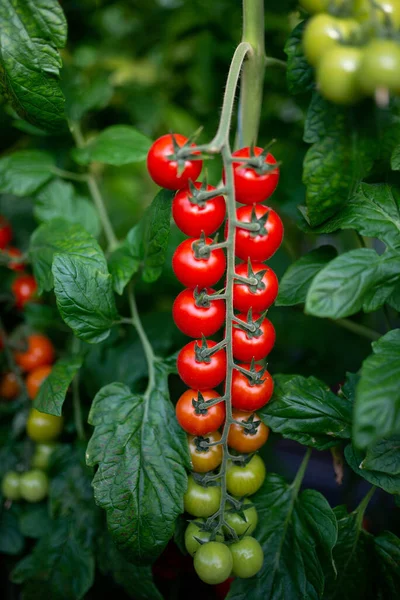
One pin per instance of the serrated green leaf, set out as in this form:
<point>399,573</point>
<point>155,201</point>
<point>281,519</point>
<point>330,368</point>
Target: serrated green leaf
<point>117,145</point>
<point>52,392</point>
<point>141,453</point>
<point>388,482</point>
<point>384,456</point>
<point>299,74</point>
<point>122,266</point>
<point>84,297</point>
<point>305,410</point>
<point>377,406</point>
<point>22,173</point>
<point>294,284</point>
<point>11,539</point>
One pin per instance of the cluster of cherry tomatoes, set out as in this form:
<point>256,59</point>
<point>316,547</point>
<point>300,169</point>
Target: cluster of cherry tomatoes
<point>354,47</point>
<point>199,311</point>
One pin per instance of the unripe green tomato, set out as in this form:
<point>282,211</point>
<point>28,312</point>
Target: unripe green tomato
<point>248,557</point>
<point>337,74</point>
<point>313,6</point>
<point>244,521</point>
<point>325,31</point>
<point>245,480</point>
<point>201,501</point>
<point>41,455</point>
<point>10,486</point>
<point>382,12</point>
<point>213,562</point>
<point>193,531</point>
<point>42,427</point>
<point>34,485</point>
<point>380,67</point>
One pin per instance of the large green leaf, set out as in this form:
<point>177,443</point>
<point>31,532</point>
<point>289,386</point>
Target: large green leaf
<point>141,453</point>
<point>22,173</point>
<point>294,284</point>
<point>52,392</point>
<point>384,456</point>
<point>117,145</point>
<point>122,266</point>
<point>299,74</point>
<point>31,33</point>
<point>388,482</point>
<point>377,406</point>
<point>305,410</point>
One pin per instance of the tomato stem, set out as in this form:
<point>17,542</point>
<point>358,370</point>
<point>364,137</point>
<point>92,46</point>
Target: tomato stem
<point>147,348</point>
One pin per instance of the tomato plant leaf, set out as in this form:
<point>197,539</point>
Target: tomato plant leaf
<point>395,162</point>
<point>294,284</point>
<point>377,406</point>
<point>384,456</point>
<point>84,91</point>
<point>141,453</point>
<point>122,266</point>
<point>117,145</point>
<point>297,533</point>
<point>84,297</point>
<point>305,410</point>
<point>35,520</point>
<point>387,551</point>
<point>22,173</point>
<point>52,392</point>
<point>299,74</point>
<point>11,539</point>
<point>388,482</point>
<point>29,61</point>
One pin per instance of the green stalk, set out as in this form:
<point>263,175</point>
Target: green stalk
<point>148,350</point>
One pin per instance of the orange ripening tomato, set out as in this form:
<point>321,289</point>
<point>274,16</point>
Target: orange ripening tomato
<point>40,352</point>
<point>247,440</point>
<point>35,379</point>
<point>9,387</point>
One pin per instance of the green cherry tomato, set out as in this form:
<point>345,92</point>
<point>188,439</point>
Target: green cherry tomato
<point>213,562</point>
<point>34,485</point>
<point>313,6</point>
<point>248,557</point>
<point>337,74</point>
<point>41,455</point>
<point>380,67</point>
<point>383,12</point>
<point>42,427</point>
<point>201,501</point>
<point>10,486</point>
<point>323,32</point>
<point>245,480</point>
<point>243,521</point>
<point>193,531</point>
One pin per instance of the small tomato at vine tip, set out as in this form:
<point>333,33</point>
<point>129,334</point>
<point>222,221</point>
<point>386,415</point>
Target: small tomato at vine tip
<point>34,485</point>
<point>35,379</point>
<point>5,233</point>
<point>324,32</point>
<point>196,420</point>
<point>24,289</point>
<point>245,480</point>
<point>262,244</point>
<point>247,439</point>
<point>40,351</point>
<point>14,263</point>
<point>194,532</point>
<point>243,521</point>
<point>260,296</point>
<point>205,458</point>
<point>198,370</point>
<point>213,562</point>
<point>254,183</point>
<point>9,387</point>
<point>201,501</point>
<point>195,217</point>
<point>314,6</point>
<point>165,169</point>
<point>380,67</point>
<point>196,315</point>
<point>42,427</point>
<point>381,12</point>
<point>10,486</point>
<point>248,557</point>
<point>247,346</point>
<point>194,270</point>
<point>252,393</point>
<point>337,74</point>
<point>42,454</point>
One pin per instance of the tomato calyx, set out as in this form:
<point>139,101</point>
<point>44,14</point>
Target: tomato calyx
<point>241,460</point>
<point>202,250</point>
<point>201,406</point>
<point>257,162</point>
<point>254,377</point>
<point>205,480</point>
<point>254,281</point>
<point>202,443</point>
<point>249,425</point>
<point>256,225</point>
<point>200,195</point>
<point>183,153</point>
<point>203,353</point>
<point>251,326</point>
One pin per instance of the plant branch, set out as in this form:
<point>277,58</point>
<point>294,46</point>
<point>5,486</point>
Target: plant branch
<point>148,350</point>
<point>301,472</point>
<point>358,329</point>
<point>76,399</point>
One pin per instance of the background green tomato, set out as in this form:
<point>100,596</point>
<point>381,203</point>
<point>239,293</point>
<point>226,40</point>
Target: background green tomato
<point>313,6</point>
<point>10,486</point>
<point>42,427</point>
<point>337,74</point>
<point>383,12</point>
<point>248,557</point>
<point>213,562</point>
<point>380,66</point>
<point>244,521</point>
<point>323,32</point>
<point>245,480</point>
<point>193,531</point>
<point>201,501</point>
<point>34,485</point>
<point>41,455</point>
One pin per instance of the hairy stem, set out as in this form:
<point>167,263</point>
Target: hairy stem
<point>148,350</point>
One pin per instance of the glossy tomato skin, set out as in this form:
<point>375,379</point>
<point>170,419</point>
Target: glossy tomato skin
<point>194,320</point>
<point>42,427</point>
<point>246,348</point>
<point>249,397</point>
<point>163,171</point>
<point>203,423</point>
<point>259,300</point>
<point>34,485</point>
<point>245,480</point>
<point>10,486</point>
<point>380,66</point>
<point>15,253</point>
<point>251,187</point>
<point>194,219</point>
<point>213,562</point>
<point>35,379</point>
<point>194,531</point>
<point>42,454</point>
<point>201,501</point>
<point>323,32</point>
<point>314,6</point>
<point>5,233</point>
<point>262,246</point>
<point>245,441</point>
<point>201,375</point>
<point>248,557</point>
<point>337,74</point>
<point>209,458</point>
<point>40,352</point>
<point>24,289</point>
<point>381,11</point>
<point>243,522</point>
<point>9,387</point>
<point>198,272</point>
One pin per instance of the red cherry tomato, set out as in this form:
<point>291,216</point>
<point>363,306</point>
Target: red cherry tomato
<point>24,289</point>
<point>250,396</point>
<point>165,171</point>
<point>246,348</point>
<point>199,421</point>
<point>193,218</point>
<point>201,272</point>
<point>201,375</point>
<point>252,187</point>
<point>15,253</point>
<point>194,320</point>
<point>5,233</point>
<point>40,352</point>
<point>258,246</point>
<point>259,297</point>
<point>35,379</point>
